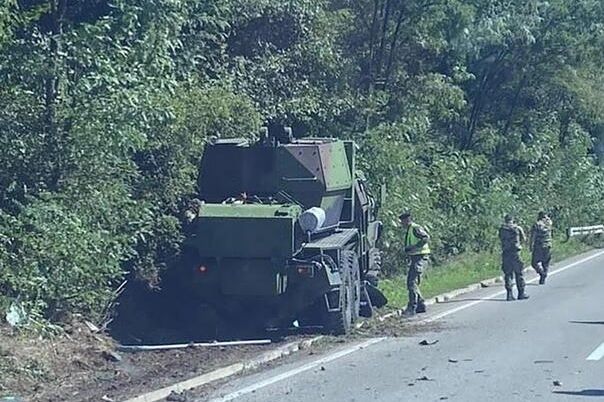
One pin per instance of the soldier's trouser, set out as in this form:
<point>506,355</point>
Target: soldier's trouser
<point>511,264</point>
<point>540,259</point>
<point>414,278</point>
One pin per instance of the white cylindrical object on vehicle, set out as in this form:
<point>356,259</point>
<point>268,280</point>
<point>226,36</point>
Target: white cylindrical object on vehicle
<point>312,219</point>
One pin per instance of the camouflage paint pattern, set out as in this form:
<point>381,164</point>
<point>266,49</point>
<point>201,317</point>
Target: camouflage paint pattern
<point>245,245</point>
<point>231,228</point>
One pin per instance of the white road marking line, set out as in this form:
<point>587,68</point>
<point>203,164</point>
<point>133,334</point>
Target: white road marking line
<point>597,354</point>
<point>293,372</point>
<point>494,295</point>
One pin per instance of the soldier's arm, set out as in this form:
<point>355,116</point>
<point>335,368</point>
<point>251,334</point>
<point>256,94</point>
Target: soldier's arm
<point>522,235</point>
<point>532,237</point>
<point>422,235</point>
<point>551,226</point>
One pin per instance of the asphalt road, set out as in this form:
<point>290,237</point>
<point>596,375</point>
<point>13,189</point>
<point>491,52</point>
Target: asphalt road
<point>548,348</point>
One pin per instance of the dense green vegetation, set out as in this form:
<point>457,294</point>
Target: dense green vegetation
<point>464,109</point>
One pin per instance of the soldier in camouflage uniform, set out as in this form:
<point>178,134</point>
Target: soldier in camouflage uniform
<point>418,251</point>
<point>540,244</point>
<point>512,236</point>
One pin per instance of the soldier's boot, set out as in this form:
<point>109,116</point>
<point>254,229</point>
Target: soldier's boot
<point>522,295</point>
<point>542,276</point>
<point>421,307</point>
<point>510,296</point>
<point>409,311</point>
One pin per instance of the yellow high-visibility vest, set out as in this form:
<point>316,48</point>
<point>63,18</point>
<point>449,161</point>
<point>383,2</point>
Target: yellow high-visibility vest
<point>411,239</point>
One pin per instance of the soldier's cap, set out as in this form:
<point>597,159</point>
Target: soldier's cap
<point>541,214</point>
<point>508,218</point>
<point>404,215</point>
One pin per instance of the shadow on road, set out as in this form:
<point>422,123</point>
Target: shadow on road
<point>588,322</point>
<point>585,392</point>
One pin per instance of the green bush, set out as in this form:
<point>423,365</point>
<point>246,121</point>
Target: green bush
<point>61,255</point>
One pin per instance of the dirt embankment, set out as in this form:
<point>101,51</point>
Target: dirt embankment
<point>83,366</point>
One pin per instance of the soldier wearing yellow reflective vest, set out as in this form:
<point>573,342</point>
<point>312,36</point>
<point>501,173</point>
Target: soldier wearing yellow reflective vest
<point>418,251</point>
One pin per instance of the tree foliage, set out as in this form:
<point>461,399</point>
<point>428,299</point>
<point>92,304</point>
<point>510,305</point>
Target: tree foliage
<point>466,110</point>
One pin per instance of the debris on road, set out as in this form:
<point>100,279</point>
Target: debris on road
<point>395,327</point>
<point>425,378</point>
<point>483,285</point>
<point>542,361</point>
<point>106,398</point>
<point>557,383</point>
<point>426,342</point>
<point>453,361</point>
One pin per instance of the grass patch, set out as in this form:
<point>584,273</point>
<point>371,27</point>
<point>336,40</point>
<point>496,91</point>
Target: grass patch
<point>464,270</point>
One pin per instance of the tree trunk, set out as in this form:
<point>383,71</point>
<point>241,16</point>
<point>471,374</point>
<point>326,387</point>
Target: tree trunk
<point>51,87</point>
<point>393,44</point>
<point>380,56</point>
<point>370,77</point>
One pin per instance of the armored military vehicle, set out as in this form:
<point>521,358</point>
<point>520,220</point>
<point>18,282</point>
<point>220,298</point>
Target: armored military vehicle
<point>284,233</point>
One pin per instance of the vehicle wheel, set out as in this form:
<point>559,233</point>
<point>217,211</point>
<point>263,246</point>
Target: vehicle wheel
<point>375,266</point>
<point>339,322</point>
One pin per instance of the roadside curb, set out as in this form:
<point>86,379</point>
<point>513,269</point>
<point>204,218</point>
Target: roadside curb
<point>227,371</point>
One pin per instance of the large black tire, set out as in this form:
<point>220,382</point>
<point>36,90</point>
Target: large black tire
<point>375,266</point>
<point>339,322</point>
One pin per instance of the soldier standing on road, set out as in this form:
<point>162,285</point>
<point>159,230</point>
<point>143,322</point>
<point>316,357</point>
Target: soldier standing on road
<point>540,244</point>
<point>418,251</point>
<point>512,236</point>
